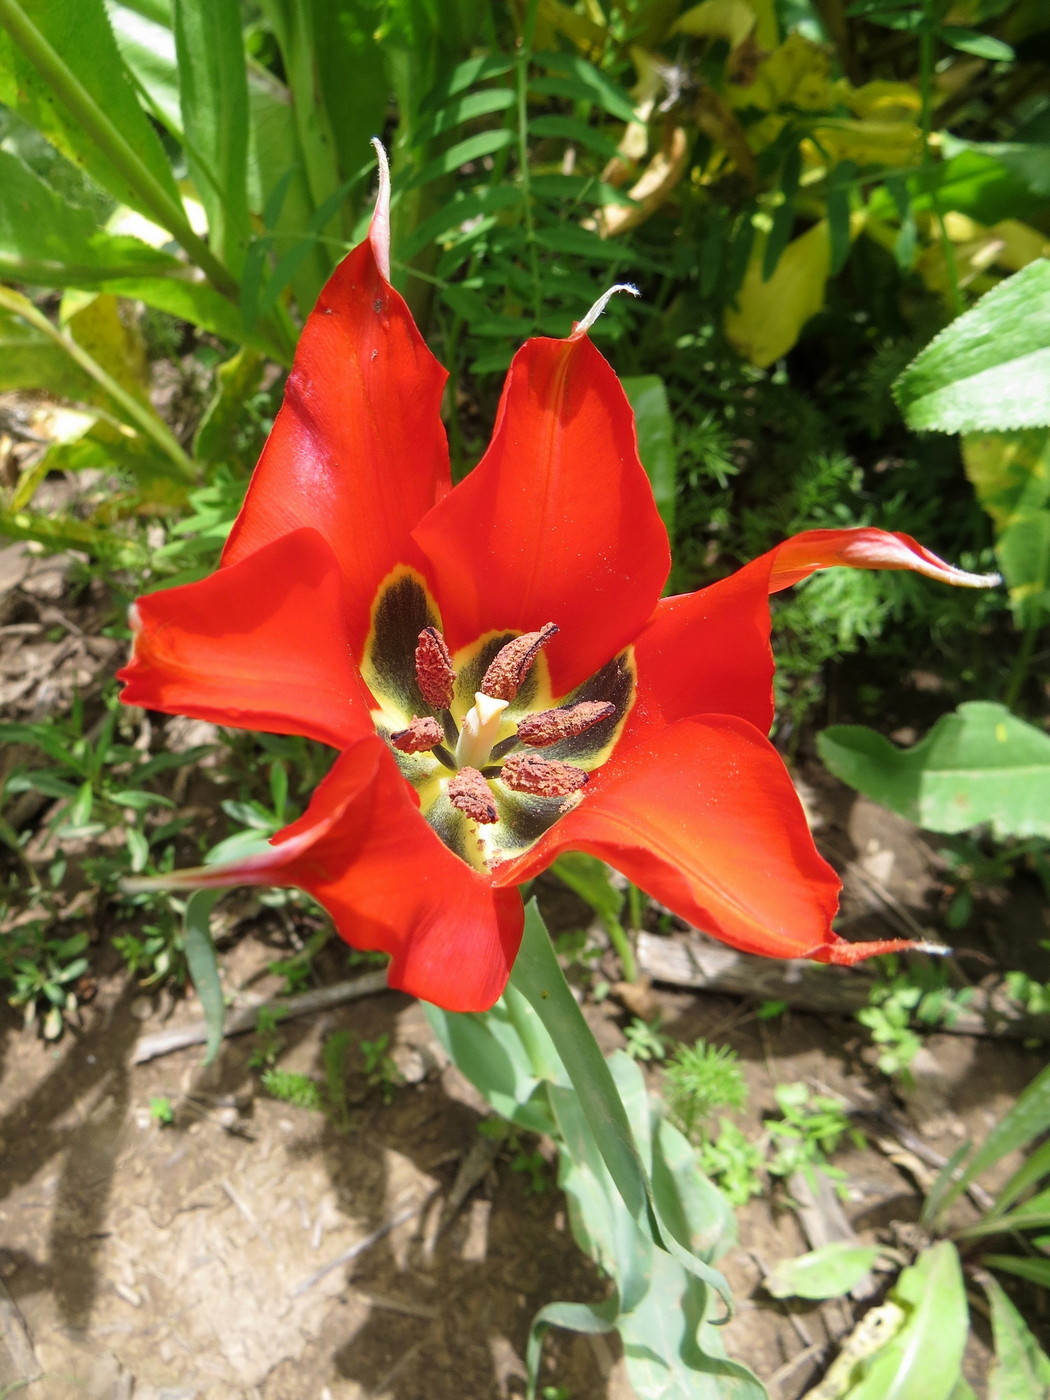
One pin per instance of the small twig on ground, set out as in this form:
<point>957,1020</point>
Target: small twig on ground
<point>359,1248</point>
<point>246,1018</point>
<point>246,1210</point>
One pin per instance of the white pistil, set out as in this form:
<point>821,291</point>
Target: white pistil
<point>582,327</point>
<point>478,733</point>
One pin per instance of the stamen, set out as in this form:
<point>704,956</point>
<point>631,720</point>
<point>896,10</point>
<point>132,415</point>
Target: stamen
<point>480,726</point>
<point>548,726</point>
<point>470,794</point>
<point>511,664</point>
<point>421,734</point>
<point>543,777</point>
<point>434,670</point>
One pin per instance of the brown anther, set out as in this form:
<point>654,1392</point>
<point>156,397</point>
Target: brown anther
<point>421,734</point>
<point>434,670</point>
<point>470,794</point>
<point>548,726</point>
<point>543,777</point>
<point>511,664</point>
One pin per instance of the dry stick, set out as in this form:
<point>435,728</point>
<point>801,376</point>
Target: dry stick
<point>358,1248</point>
<point>246,1018</point>
<point>696,963</point>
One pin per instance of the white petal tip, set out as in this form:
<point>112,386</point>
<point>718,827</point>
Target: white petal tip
<point>582,327</point>
<point>379,229</point>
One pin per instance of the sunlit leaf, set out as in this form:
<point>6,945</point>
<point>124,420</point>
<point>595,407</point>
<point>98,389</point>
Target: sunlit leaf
<point>1021,1370</point>
<point>827,1272</point>
<point>990,369</point>
<point>923,1359</point>
<point>979,765</point>
<point>769,315</point>
<point>647,394</point>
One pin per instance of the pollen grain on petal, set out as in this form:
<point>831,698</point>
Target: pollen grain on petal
<point>542,777</point>
<point>421,734</point>
<point>511,664</point>
<point>470,794</point>
<point>434,670</point>
<point>549,726</point>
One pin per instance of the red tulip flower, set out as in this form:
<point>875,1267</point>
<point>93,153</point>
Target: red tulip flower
<point>493,662</point>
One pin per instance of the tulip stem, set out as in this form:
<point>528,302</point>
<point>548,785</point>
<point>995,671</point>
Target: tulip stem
<point>620,939</point>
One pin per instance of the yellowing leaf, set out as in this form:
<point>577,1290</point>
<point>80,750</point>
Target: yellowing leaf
<point>796,72</point>
<point>867,142</point>
<point>732,20</point>
<point>769,316</point>
<point>879,101</point>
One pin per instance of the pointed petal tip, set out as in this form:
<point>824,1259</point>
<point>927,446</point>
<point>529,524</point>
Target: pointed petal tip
<point>582,327</point>
<point>841,953</point>
<point>379,228</point>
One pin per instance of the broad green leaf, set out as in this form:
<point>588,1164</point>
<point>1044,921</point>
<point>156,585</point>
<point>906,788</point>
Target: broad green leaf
<point>990,369</point>
<point>204,965</point>
<point>784,215</point>
<point>1021,1370</point>
<point>61,70</point>
<point>353,84</point>
<point>213,94</point>
<point>923,1360</point>
<point>147,47</point>
<point>827,1272</point>
<point>30,360</point>
<point>979,765</point>
<point>47,241</point>
<point>647,395</point>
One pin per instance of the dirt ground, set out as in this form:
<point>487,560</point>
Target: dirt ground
<point>250,1250</point>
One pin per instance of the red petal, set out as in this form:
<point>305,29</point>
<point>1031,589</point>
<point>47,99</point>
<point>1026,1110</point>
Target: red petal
<point>557,522</point>
<point>703,816</point>
<point>708,652</point>
<point>358,450</point>
<point>364,851</point>
<point>867,548</point>
<point>260,645</point>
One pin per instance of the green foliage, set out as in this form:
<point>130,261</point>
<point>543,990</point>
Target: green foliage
<point>698,1080</point>
<point>637,1203</point>
<point>979,765</point>
<point>915,996</point>
<point>925,1321</point>
<point>297,1089</point>
<point>987,371</point>
<point>645,1040</point>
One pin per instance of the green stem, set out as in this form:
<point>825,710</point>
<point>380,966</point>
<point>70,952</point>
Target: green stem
<point>620,940</point>
<point>69,90</point>
<point>143,418</point>
<point>1019,670</point>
